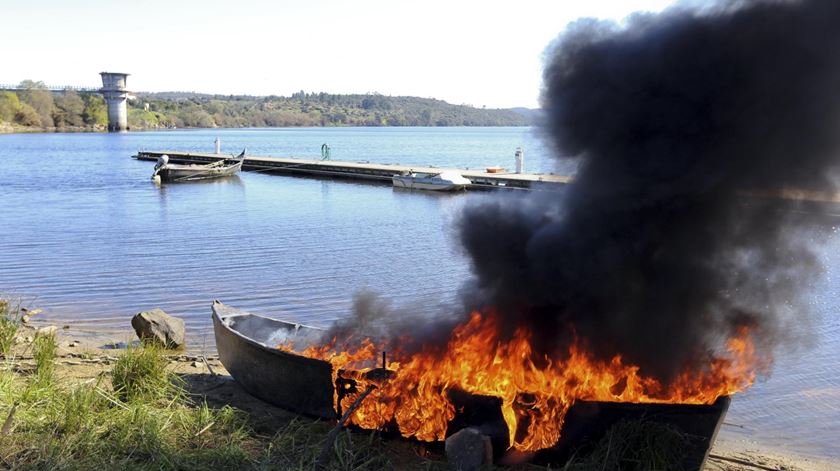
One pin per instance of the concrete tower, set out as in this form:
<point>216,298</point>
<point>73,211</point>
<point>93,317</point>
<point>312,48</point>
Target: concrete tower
<point>115,93</point>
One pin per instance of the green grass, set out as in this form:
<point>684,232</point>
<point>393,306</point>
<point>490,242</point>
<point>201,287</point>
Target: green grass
<point>635,445</point>
<point>44,352</point>
<point>141,374</point>
<point>297,445</point>
<point>139,416</point>
<point>146,424</point>
<point>9,324</point>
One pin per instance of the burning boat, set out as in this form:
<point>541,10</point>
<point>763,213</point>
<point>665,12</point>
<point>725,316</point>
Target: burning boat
<point>480,381</point>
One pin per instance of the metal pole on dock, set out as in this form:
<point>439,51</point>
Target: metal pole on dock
<point>520,159</point>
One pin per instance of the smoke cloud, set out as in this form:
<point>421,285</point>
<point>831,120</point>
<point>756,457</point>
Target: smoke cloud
<point>688,129</point>
<point>685,125</point>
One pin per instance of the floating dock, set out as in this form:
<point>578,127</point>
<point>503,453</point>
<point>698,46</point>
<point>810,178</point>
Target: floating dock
<point>364,170</point>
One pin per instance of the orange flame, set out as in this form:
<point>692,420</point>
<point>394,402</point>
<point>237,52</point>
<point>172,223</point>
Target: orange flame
<point>534,396</point>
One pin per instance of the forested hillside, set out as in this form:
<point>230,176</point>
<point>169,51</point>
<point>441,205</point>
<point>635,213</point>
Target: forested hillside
<point>36,108</point>
<point>311,109</point>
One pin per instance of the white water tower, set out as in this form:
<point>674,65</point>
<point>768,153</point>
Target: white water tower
<point>115,93</point>
<point>520,159</point>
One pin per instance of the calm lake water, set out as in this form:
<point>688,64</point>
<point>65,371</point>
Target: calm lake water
<point>89,238</point>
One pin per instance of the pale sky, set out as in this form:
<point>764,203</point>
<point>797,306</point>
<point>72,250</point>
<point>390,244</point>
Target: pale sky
<point>481,53</point>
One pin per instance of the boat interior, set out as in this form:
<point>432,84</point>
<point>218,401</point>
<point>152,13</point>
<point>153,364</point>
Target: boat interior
<point>269,332</point>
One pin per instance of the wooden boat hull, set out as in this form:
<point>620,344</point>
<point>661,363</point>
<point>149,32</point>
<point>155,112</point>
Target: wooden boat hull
<point>177,173</point>
<point>247,348</point>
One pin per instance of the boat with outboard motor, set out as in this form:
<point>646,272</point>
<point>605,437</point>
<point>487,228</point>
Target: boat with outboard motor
<point>167,172</point>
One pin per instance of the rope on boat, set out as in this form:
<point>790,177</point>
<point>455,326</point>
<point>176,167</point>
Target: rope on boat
<point>205,169</point>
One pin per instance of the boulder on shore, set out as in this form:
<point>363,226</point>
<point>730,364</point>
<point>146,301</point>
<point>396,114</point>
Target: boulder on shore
<point>159,327</point>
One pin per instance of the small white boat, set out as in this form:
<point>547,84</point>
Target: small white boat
<point>447,180</point>
<point>167,172</point>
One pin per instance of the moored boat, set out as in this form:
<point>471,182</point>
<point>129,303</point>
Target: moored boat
<point>447,180</point>
<point>168,172</point>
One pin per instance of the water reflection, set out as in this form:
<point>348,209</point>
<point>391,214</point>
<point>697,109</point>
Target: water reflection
<point>430,193</point>
<point>233,180</point>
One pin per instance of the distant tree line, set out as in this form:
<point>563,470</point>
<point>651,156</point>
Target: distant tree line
<point>310,109</point>
<point>33,106</point>
<point>36,107</point>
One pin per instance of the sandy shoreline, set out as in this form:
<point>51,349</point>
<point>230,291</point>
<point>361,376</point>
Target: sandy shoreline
<point>84,355</point>
<point>741,455</point>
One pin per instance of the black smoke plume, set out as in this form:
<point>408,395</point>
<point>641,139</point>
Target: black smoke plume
<point>690,129</point>
<point>687,125</point>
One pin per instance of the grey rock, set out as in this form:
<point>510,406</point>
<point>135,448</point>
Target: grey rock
<point>48,330</point>
<point>468,450</point>
<point>159,327</point>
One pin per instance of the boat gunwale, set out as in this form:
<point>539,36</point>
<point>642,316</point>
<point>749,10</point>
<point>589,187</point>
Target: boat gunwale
<point>262,346</point>
<point>196,166</point>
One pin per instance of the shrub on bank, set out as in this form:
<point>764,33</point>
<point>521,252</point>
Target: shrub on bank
<point>9,324</point>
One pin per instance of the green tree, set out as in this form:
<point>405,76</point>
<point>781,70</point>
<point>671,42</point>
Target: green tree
<point>426,118</point>
<point>27,116</point>
<point>36,95</point>
<point>140,119</point>
<point>215,107</point>
<point>69,107</point>
<point>9,106</point>
<point>195,117</point>
<point>95,113</point>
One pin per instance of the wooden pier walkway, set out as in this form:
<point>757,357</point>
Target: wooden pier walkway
<point>364,170</point>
